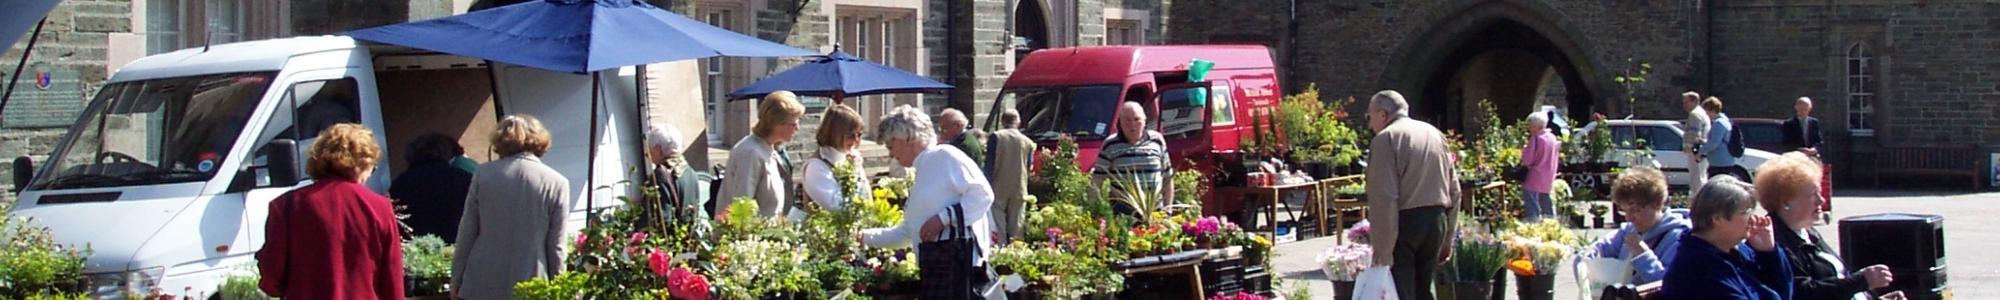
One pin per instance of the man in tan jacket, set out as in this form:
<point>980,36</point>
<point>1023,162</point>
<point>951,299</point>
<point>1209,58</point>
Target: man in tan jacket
<point>1007,165</point>
<point>1412,190</point>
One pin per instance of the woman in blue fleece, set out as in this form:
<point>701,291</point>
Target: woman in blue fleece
<point>1641,194</point>
<point>1732,253</point>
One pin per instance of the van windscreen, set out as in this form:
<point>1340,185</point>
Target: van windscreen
<point>155,131</point>
<point>1083,112</point>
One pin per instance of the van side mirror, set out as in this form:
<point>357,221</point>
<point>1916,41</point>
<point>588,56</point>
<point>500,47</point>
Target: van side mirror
<point>282,162</point>
<point>24,172</point>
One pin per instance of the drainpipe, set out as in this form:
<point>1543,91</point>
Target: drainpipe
<point>1291,45</point>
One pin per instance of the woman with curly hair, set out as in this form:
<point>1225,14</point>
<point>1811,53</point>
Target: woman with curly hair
<point>334,239</point>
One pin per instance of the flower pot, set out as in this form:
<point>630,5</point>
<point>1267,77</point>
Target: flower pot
<point>1499,290</point>
<point>1576,221</point>
<point>1472,290</point>
<point>1343,290</point>
<point>1599,222</point>
<point>1538,287</point>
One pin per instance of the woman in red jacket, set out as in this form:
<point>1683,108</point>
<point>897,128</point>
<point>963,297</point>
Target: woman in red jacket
<point>334,239</point>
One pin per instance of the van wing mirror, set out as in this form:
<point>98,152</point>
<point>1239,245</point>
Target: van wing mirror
<point>1193,94</point>
<point>282,162</point>
<point>24,172</point>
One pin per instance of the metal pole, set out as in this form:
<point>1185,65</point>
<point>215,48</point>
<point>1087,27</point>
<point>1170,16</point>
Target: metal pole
<point>590,171</point>
<point>16,78</point>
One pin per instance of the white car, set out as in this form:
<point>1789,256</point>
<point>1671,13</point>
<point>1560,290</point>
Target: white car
<point>1663,140</point>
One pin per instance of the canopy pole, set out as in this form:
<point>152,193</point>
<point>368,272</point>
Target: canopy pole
<point>645,118</point>
<point>16,78</point>
<point>590,171</point>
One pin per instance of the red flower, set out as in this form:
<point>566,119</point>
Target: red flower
<point>658,260</point>
<point>582,239</point>
<point>685,284</point>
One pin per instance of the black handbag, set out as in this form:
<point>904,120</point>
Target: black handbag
<point>945,269</point>
<point>1514,173</point>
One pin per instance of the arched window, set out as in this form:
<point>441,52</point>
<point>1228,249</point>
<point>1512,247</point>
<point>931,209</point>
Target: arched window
<point>1860,91</point>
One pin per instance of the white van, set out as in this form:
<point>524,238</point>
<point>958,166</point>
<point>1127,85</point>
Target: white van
<point>168,173</point>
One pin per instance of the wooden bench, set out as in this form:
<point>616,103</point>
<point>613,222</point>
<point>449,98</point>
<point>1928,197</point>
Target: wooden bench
<point>1929,160</point>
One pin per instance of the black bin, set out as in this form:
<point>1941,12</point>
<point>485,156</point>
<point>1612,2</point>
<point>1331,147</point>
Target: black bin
<point>1911,245</point>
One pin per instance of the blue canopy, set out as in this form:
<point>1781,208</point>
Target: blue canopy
<point>18,16</point>
<point>842,73</point>
<point>575,36</point>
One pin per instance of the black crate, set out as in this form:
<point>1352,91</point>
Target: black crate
<point>1911,245</point>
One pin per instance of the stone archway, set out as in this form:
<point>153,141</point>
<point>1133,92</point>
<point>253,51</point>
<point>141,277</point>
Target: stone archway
<point>1030,23</point>
<point>1502,51</point>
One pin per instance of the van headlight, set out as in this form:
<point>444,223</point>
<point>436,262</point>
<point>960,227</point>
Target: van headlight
<point>128,283</point>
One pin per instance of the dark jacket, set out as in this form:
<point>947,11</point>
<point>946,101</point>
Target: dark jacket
<point>334,239</point>
<point>680,187</point>
<point>1795,138</point>
<point>1813,276</point>
<point>1704,272</point>
<point>433,193</point>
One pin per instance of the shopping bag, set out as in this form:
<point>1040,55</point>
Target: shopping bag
<point>1375,284</point>
<point>1595,274</point>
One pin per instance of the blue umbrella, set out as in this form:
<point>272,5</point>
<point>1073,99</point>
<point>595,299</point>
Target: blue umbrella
<point>17,16</point>
<point>575,36</point>
<point>838,74</point>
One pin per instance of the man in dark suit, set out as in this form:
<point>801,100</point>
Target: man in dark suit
<point>1802,132</point>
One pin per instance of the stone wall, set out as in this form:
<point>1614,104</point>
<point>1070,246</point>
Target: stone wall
<point>75,39</point>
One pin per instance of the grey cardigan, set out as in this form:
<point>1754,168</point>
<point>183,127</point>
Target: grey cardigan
<point>512,228</point>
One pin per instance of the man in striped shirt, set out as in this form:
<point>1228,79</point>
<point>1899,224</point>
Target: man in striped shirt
<point>1136,160</point>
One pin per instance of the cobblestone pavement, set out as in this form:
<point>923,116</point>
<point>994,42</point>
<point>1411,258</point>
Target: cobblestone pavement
<point>1972,224</point>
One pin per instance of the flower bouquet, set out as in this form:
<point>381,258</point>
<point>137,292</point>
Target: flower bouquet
<point>1345,262</point>
<point>1359,234</point>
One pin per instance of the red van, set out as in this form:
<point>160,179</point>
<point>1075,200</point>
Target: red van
<point>1078,91</point>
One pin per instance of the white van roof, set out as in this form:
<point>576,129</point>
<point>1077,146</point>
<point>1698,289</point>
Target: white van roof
<point>261,55</point>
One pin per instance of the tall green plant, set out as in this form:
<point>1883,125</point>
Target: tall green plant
<point>32,263</point>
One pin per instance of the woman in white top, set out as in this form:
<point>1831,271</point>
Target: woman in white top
<point>756,168</point>
<point>944,177</point>
<point>839,135</point>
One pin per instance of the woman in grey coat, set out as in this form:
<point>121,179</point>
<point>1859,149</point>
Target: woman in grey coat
<point>513,223</point>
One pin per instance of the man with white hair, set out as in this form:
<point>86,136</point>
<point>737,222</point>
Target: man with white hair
<point>1137,157</point>
<point>1539,157</point>
<point>1412,188</point>
<point>1802,132</point>
<point>1694,133</point>
<point>951,125</point>
<point>679,190</point>
<point>1007,164</point>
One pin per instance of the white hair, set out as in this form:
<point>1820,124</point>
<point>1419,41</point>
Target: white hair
<point>1807,101</point>
<point>952,116</point>
<point>1538,120</point>
<point>664,136</point>
<point>1392,102</point>
<point>905,123</point>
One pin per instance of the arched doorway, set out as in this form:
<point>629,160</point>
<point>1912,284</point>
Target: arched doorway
<point>1031,28</point>
<point>1499,52</point>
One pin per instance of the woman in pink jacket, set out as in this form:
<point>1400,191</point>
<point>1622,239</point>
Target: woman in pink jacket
<point>1540,158</point>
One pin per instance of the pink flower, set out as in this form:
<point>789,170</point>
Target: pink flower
<point>658,260</point>
<point>638,237</point>
<point>1054,233</point>
<point>582,239</point>
<point>684,284</point>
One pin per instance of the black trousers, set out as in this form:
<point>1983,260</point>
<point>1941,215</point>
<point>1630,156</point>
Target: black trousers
<point>1419,242</point>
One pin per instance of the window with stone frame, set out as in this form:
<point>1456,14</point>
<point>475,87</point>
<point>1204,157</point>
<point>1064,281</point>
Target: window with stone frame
<point>1123,32</point>
<point>721,75</point>
<point>882,35</point>
<point>1861,97</point>
<point>180,24</point>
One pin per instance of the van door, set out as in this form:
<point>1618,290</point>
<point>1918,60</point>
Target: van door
<point>312,102</point>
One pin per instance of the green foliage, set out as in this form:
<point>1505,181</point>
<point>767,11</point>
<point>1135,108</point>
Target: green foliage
<point>427,256</point>
<point>1476,256</point>
<point>1189,186</point>
<point>33,263</point>
<point>59,296</point>
<point>1316,129</point>
<point>565,286</point>
<point>242,286</point>
<point>1064,275</point>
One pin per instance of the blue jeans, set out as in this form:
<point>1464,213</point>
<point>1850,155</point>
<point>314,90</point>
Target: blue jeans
<point>1538,206</point>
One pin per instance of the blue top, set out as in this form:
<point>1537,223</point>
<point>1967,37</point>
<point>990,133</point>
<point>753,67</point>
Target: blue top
<point>1664,239</point>
<point>1704,272</point>
<point>1716,150</point>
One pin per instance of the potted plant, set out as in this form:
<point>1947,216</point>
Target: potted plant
<point>427,267</point>
<point>1539,250</point>
<point>1597,213</point>
<point>1475,262</point>
<point>1342,263</point>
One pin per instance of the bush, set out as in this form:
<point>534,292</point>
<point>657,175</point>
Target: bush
<point>32,264</point>
<point>242,287</point>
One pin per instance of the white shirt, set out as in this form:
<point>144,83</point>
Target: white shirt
<point>823,188</point>
<point>944,176</point>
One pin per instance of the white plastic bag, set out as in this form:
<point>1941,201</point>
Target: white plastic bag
<point>1375,284</point>
<point>1595,274</point>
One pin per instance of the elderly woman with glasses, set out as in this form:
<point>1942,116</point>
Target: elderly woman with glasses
<point>838,137</point>
<point>1651,240</point>
<point>1732,253</point>
<point>946,214</point>
<point>1788,187</point>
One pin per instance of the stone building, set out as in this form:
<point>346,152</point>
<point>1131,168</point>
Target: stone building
<point>971,44</point>
<point>1882,72</point>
